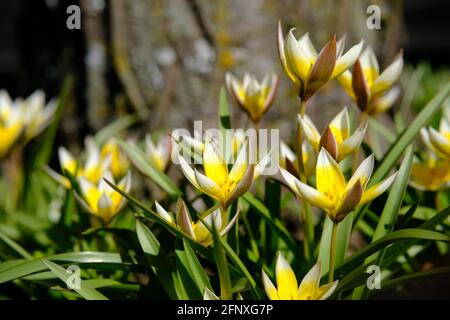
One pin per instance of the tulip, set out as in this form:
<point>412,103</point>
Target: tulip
<point>288,158</point>
<point>92,169</point>
<point>336,138</point>
<point>287,286</point>
<point>217,181</point>
<point>101,199</point>
<point>333,193</point>
<point>252,96</point>
<point>432,173</point>
<point>309,70</point>
<point>439,141</point>
<point>159,154</point>
<point>198,231</point>
<point>119,163</point>
<point>21,120</point>
<point>373,92</point>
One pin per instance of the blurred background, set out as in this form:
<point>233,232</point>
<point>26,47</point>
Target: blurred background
<point>165,60</point>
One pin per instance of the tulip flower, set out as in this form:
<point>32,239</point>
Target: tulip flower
<point>336,138</point>
<point>288,288</point>
<point>217,181</point>
<point>373,92</point>
<point>333,194</point>
<point>101,199</point>
<point>198,231</point>
<point>119,163</point>
<point>252,96</point>
<point>309,70</point>
<point>159,154</point>
<point>439,141</point>
<point>288,158</point>
<point>432,173</point>
<point>92,169</point>
<point>21,120</point>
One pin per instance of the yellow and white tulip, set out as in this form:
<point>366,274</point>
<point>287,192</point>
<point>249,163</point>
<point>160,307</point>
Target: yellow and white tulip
<point>92,168</point>
<point>21,120</point>
<point>308,69</point>
<point>159,154</point>
<point>252,96</point>
<point>287,286</point>
<point>336,138</point>
<point>217,181</point>
<point>197,230</point>
<point>373,92</point>
<point>332,193</point>
<point>438,141</point>
<point>101,199</point>
<point>431,173</point>
<point>119,163</point>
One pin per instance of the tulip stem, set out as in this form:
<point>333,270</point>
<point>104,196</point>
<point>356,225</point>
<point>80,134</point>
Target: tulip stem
<point>332,252</point>
<point>306,215</point>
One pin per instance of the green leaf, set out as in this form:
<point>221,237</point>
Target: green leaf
<point>85,290</point>
<point>15,246</point>
<point>153,216</point>
<point>342,238</point>
<point>406,234</point>
<point>146,167</point>
<point>275,223</point>
<point>28,267</point>
<point>115,127</point>
<point>195,268</point>
<point>158,260</point>
<point>147,239</point>
<point>222,266</point>
<point>405,139</point>
<point>389,215</point>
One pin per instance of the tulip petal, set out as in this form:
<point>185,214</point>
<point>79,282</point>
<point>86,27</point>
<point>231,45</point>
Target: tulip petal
<point>349,202</point>
<point>325,291</point>
<point>313,196</point>
<point>352,143</point>
<point>329,178</point>
<point>270,289</point>
<point>440,142</point>
<point>188,172</point>
<point>213,163</point>
<point>310,131</point>
<point>282,56</point>
<point>209,186</point>
<point>286,280</point>
<point>377,189</point>
<point>340,125</point>
<point>297,59</point>
<point>184,219</point>
<point>307,46</point>
<point>163,213</point>
<point>347,60</point>
<point>388,76</point>
<point>67,161</point>
<point>385,101</point>
<point>290,180</point>
<point>363,173</point>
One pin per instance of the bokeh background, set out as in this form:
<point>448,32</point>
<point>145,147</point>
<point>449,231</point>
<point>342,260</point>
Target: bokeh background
<point>165,60</point>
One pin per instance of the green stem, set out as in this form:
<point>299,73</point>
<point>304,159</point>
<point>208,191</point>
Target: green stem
<point>362,118</point>
<point>332,252</point>
<point>306,215</point>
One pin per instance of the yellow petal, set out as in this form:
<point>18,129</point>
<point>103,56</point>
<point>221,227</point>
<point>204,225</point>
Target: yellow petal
<point>213,163</point>
<point>329,178</point>
<point>377,189</point>
<point>270,289</point>
<point>286,280</point>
